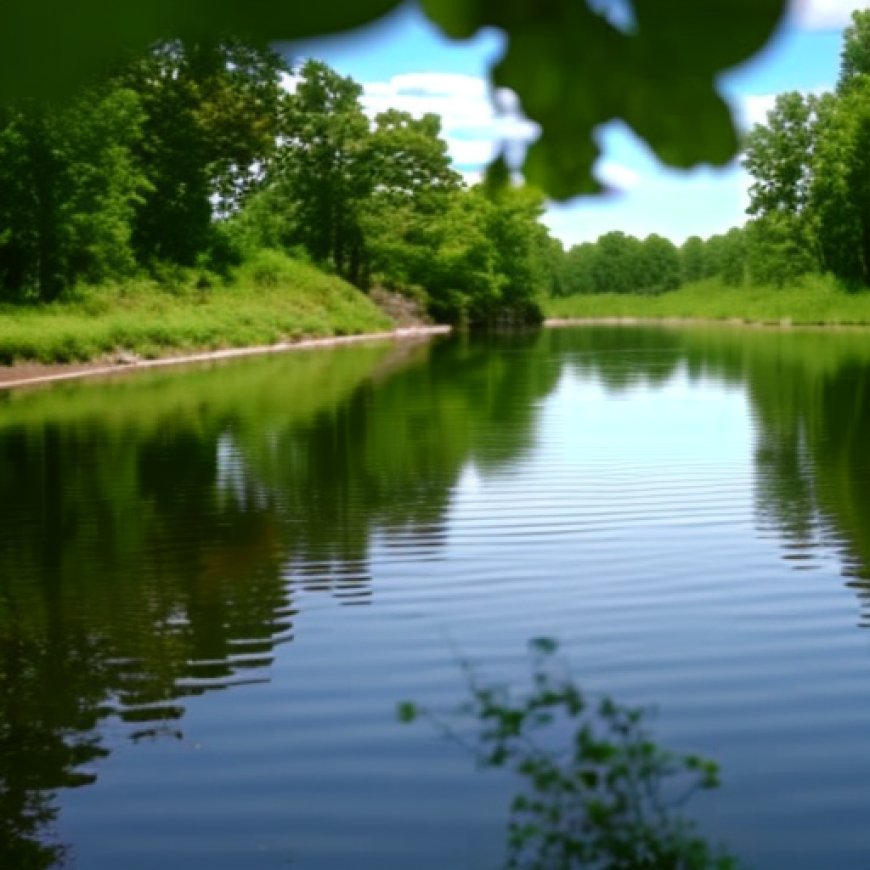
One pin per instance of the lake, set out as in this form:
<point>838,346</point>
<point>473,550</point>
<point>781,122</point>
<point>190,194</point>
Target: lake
<point>216,585</point>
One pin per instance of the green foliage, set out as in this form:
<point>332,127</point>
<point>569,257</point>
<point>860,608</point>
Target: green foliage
<point>572,68</point>
<point>692,259</point>
<point>210,127</point>
<point>69,187</point>
<point>619,263</point>
<point>323,164</point>
<point>776,156</point>
<point>855,55</point>
<point>192,156</point>
<point>780,249</point>
<point>598,790</point>
<point>810,193</point>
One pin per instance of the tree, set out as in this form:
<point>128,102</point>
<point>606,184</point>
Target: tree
<point>841,185</point>
<point>692,265</point>
<point>778,156</point>
<point>578,268</point>
<point>31,174</point>
<point>69,189</point>
<point>325,141</point>
<point>520,242</point>
<point>411,179</point>
<point>210,128</point>
<point>660,265</point>
<point>855,54</point>
<point>725,257</point>
<point>617,267</point>
<point>408,159</point>
<point>778,249</point>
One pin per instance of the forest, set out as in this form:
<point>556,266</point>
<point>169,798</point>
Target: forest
<point>188,163</point>
<point>217,174</point>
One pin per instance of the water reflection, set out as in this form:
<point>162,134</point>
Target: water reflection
<point>154,533</point>
<point>810,396</point>
<point>157,536</point>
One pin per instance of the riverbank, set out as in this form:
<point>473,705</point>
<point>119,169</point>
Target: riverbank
<point>817,301</point>
<point>271,305</point>
<point>268,301</point>
<point>36,374</point>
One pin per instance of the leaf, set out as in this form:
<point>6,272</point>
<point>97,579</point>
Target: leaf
<point>543,645</point>
<point>407,711</point>
<point>572,69</point>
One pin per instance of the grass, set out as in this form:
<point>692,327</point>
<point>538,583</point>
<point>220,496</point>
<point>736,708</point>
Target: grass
<point>269,299</point>
<point>814,300</point>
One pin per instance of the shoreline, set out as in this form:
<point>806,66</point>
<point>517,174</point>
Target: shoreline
<point>34,374</point>
<point>632,320</point>
<point>27,374</point>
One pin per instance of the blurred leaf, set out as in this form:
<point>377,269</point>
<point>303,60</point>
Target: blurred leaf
<point>572,69</point>
<point>544,645</point>
<point>406,711</point>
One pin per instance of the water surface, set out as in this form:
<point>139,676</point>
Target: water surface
<point>216,584</point>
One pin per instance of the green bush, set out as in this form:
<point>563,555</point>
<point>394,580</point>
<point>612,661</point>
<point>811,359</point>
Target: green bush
<point>598,791</point>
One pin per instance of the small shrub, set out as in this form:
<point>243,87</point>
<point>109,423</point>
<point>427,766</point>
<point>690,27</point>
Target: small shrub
<point>598,791</point>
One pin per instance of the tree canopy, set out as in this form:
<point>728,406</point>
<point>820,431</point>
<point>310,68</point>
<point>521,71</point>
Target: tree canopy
<point>572,68</point>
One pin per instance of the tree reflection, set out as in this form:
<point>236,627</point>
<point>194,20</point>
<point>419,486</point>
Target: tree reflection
<point>154,533</point>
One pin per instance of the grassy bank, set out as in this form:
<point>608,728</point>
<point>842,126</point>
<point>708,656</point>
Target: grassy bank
<point>269,299</point>
<point>815,300</point>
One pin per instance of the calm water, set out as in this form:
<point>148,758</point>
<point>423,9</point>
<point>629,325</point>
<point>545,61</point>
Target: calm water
<point>215,586</point>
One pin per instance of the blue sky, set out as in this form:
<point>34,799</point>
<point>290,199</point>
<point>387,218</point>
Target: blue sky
<point>404,61</point>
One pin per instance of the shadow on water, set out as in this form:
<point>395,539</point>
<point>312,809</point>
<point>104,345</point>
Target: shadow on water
<point>156,534</point>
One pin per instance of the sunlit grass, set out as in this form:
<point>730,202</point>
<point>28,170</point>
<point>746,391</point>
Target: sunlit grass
<point>270,299</point>
<point>814,300</point>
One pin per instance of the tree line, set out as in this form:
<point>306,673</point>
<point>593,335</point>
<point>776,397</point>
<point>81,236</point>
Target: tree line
<point>198,157</point>
<point>621,263</point>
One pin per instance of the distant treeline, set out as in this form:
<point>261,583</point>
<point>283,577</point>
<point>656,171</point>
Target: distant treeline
<point>189,160</point>
<point>619,263</point>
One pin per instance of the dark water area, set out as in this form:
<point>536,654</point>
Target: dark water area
<point>216,585</point>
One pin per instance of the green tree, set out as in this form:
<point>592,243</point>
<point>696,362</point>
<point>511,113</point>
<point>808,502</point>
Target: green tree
<point>411,178</point>
<point>841,185</point>
<point>660,265</point>
<point>577,269</point>
<point>31,176</point>
<point>692,265</point>
<point>777,156</point>
<point>855,54</point>
<point>617,267</point>
<point>69,189</point>
<point>521,249</point>
<point>325,145</point>
<point>210,128</point>
<point>779,249</point>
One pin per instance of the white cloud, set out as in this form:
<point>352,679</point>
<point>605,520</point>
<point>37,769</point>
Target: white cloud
<point>752,109</point>
<point>824,14</point>
<point>471,125</point>
<point>618,176</point>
